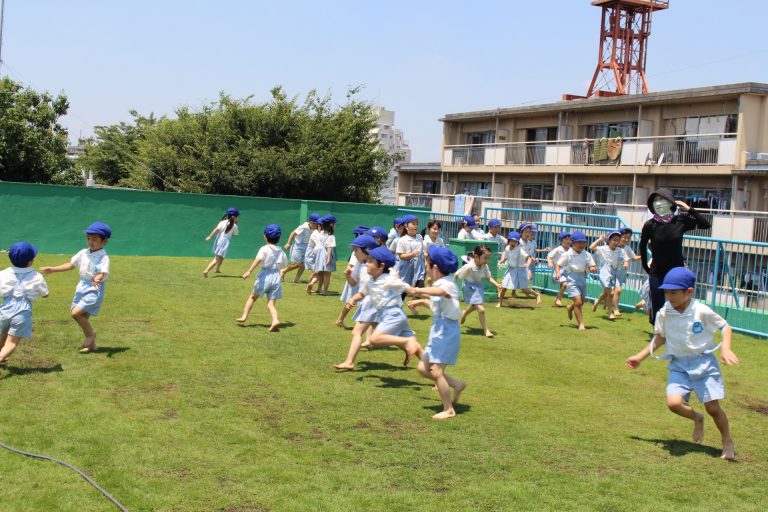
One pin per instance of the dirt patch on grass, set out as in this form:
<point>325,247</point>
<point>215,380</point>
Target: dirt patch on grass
<point>758,407</point>
<point>170,414</point>
<point>246,508</point>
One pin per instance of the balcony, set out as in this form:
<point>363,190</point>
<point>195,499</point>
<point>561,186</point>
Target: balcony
<point>689,150</point>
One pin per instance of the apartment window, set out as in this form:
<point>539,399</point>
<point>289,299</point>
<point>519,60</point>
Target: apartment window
<point>712,199</point>
<point>477,188</point>
<point>539,191</point>
<point>487,137</point>
<point>703,125</point>
<point>429,186</point>
<point>606,194</point>
<point>611,130</point>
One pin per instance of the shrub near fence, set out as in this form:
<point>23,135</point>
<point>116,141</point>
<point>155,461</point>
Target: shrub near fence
<point>162,223</point>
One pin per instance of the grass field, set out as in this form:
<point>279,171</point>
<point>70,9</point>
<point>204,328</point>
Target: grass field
<point>182,409</point>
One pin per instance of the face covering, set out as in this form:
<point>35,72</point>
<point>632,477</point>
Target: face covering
<point>662,207</point>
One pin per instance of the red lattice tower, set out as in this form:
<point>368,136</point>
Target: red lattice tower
<point>625,28</point>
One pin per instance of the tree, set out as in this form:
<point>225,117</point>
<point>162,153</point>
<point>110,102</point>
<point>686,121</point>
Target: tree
<point>277,149</point>
<point>33,145</point>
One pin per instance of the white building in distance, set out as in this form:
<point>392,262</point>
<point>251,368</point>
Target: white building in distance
<point>392,141</point>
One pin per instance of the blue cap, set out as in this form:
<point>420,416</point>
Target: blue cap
<point>524,226</point>
<point>233,212</point>
<point>444,258</point>
<point>360,230</point>
<point>366,242</point>
<point>409,218</point>
<point>315,217</point>
<point>679,278</point>
<point>494,223</point>
<point>21,254</point>
<point>383,255</point>
<point>397,221</point>
<point>379,233</point>
<point>563,235</point>
<point>99,228</point>
<point>513,235</point>
<point>533,228</point>
<point>578,236</point>
<point>470,221</point>
<point>328,219</point>
<point>273,231</point>
<point>612,234</point>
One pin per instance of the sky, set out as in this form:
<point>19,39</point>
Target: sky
<point>421,58</point>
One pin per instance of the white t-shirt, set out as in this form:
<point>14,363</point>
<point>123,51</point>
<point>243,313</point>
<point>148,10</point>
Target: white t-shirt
<point>690,332</point>
<point>315,239</point>
<point>572,261</point>
<point>302,234</point>
<point>516,257</point>
<point>385,290</point>
<point>613,257</point>
<point>444,306</point>
<point>222,228</point>
<point>629,254</point>
<point>91,263</point>
<point>272,257</point>
<point>428,241</point>
<point>530,247</point>
<point>465,235</point>
<point>408,243</point>
<point>500,240</point>
<point>554,254</point>
<point>330,241</point>
<point>30,281</point>
<point>472,274</point>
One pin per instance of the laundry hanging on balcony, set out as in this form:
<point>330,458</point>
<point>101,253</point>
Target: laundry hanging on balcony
<point>614,148</point>
<point>600,150</point>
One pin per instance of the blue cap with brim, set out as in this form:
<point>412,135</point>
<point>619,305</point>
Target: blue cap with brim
<point>470,222</point>
<point>513,235</point>
<point>360,230</point>
<point>397,221</point>
<point>444,258</point>
<point>409,218</point>
<point>383,255</point>
<point>562,235</point>
<point>233,212</point>
<point>21,254</point>
<point>379,233</point>
<point>679,278</point>
<point>366,242</point>
<point>578,236</point>
<point>523,227</point>
<point>612,234</point>
<point>315,217</point>
<point>328,219</point>
<point>494,223</point>
<point>99,228</point>
<point>273,231</point>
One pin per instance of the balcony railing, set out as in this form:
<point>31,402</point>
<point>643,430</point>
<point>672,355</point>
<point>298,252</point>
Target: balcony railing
<point>687,150</point>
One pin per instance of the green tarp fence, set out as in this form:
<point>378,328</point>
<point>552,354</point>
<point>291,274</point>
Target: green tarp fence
<point>144,223</point>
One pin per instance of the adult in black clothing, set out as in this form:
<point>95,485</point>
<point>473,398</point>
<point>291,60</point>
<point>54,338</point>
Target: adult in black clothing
<point>665,234</point>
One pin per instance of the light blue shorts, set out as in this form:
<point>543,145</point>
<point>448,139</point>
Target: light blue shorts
<point>366,311</point>
<point>607,276</point>
<point>699,373</point>
<point>298,252</point>
<point>393,321</point>
<point>563,278</point>
<point>516,278</point>
<point>621,276</point>
<point>348,292</point>
<point>19,324</point>
<point>268,285</point>
<point>221,245</point>
<point>473,292</point>
<point>88,298</point>
<point>577,285</point>
<point>444,341</point>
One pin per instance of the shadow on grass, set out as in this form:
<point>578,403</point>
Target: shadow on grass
<point>13,370</point>
<point>419,316</point>
<point>283,325</point>
<point>370,365</point>
<point>678,448</point>
<point>390,382</point>
<point>214,276</point>
<point>477,331</point>
<point>110,351</point>
<point>576,327</point>
<point>518,306</point>
<point>459,408</point>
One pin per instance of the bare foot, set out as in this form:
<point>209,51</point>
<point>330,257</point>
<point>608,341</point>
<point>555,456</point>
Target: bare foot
<point>582,327</point>
<point>698,429</point>
<point>489,334</point>
<point>339,323</point>
<point>309,289</point>
<point>456,392</point>
<point>205,273</point>
<point>558,303</point>
<point>241,319</point>
<point>412,349</point>
<point>463,318</point>
<point>296,281</point>
<point>617,313</point>
<point>445,415</point>
<point>365,344</point>
<point>498,305</point>
<point>274,327</point>
<point>89,345</point>
<point>570,312</point>
<point>413,309</point>
<point>611,317</point>
<point>594,306</point>
<point>282,277</point>
<point>344,366</point>
<point>434,388</point>
<point>514,295</point>
<point>640,305</point>
<point>218,271</point>
<point>538,299</point>
<point>728,450</point>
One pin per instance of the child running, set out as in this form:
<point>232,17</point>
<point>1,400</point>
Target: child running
<point>366,315</point>
<point>516,261</point>
<point>687,328</point>
<point>445,334</point>
<point>527,233</point>
<point>469,229</point>
<point>552,257</point>
<point>93,266</point>
<point>623,273</point>
<point>324,256</point>
<point>473,274</point>
<point>494,233</point>
<point>272,259</point>
<point>19,286</point>
<point>224,232</point>
<point>352,272</point>
<point>300,238</point>
<point>575,262</point>
<point>398,229</point>
<point>385,292</point>
<point>612,258</point>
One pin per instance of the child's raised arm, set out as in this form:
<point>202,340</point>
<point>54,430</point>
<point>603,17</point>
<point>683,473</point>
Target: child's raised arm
<point>59,268</point>
<point>635,360</point>
<point>726,354</point>
<point>290,239</point>
<point>256,263</point>
<point>594,244</point>
<point>215,230</point>
<point>430,291</point>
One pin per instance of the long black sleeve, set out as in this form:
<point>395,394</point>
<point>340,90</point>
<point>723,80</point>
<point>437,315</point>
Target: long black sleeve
<point>645,236</point>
